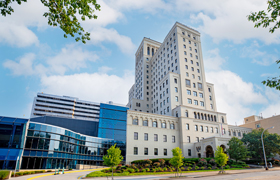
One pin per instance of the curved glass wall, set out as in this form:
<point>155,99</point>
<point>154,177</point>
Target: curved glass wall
<point>50,147</point>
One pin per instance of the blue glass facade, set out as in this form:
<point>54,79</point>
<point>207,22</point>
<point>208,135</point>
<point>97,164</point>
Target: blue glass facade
<point>112,124</point>
<point>12,134</point>
<point>49,147</point>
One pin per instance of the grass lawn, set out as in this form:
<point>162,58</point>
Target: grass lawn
<point>102,174</point>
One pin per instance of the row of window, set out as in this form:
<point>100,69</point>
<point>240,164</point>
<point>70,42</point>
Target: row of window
<point>154,124</point>
<point>146,137</point>
<point>146,151</point>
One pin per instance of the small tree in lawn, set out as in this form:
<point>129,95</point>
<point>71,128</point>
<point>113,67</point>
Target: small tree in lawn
<point>113,157</point>
<point>177,159</point>
<point>237,150</point>
<point>221,158</point>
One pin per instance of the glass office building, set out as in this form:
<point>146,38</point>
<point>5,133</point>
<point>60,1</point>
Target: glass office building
<point>12,134</point>
<point>49,147</point>
<point>112,124</point>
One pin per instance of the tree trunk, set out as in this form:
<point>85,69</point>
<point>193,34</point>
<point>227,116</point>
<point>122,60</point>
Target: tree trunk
<point>112,174</point>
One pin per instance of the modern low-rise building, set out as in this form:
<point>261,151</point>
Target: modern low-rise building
<point>256,122</point>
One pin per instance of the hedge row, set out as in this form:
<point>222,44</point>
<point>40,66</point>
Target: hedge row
<point>28,172</point>
<point>195,160</point>
<point>4,174</point>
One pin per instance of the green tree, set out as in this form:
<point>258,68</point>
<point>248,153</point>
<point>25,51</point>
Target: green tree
<point>177,159</point>
<point>254,144</point>
<point>237,150</point>
<point>221,158</point>
<point>265,19</point>
<point>63,13</point>
<point>113,158</point>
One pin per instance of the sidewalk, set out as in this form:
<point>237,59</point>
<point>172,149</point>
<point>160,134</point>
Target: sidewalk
<point>190,175</point>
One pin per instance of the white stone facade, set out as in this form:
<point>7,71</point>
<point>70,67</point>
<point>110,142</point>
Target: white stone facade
<point>170,86</point>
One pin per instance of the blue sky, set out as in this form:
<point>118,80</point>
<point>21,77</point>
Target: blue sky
<point>237,56</point>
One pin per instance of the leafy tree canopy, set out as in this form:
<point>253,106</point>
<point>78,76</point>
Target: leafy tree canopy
<point>254,144</point>
<point>221,158</point>
<point>177,159</point>
<point>266,19</point>
<point>237,150</point>
<point>62,13</point>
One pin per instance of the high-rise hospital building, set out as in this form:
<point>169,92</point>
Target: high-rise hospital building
<point>170,105</point>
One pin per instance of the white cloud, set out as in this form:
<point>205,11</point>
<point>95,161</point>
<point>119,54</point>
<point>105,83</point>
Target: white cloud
<point>95,87</point>
<point>227,20</point>
<point>234,96</point>
<point>259,57</point>
<point>71,57</point>
<point>25,66</point>
<point>104,69</point>
<point>213,60</point>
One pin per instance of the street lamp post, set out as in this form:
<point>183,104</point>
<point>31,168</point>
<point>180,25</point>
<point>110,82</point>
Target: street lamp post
<point>263,147</point>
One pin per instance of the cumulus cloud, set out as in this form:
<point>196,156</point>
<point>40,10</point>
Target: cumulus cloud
<point>234,96</point>
<point>25,66</point>
<point>227,20</point>
<point>95,87</point>
<point>213,60</point>
<point>71,57</point>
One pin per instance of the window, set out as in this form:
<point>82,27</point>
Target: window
<point>154,124</point>
<point>189,101</point>
<point>155,137</point>
<point>146,136</point>
<point>197,139</point>
<point>165,152</point>
<point>209,89</point>
<point>190,48</point>
<point>229,132</point>
<point>217,130</point>
<point>210,97</point>
<point>187,126</point>
<point>258,125</point>
<point>211,105</point>
<point>135,121</point>
<point>135,150</point>
<point>188,139</point>
<point>186,60</point>
<point>201,95</point>
<point>193,85</point>
<point>212,131</point>
<point>201,128</point>
<point>224,131</point>
<point>176,98</point>
<point>196,128</point>
<point>164,138</point>
<point>239,134</point>
<point>175,81</point>
<point>188,82</point>
<point>172,126</point>
<point>184,45</point>
<point>176,89</point>
<point>206,128</point>
<point>167,99</point>
<point>145,151</point>
<point>187,74</point>
<point>188,92</point>
<point>135,135</point>
<point>199,85</point>
<point>187,114</point>
<point>195,102</point>
<point>194,93</point>
<point>163,125</point>
<point>189,152</point>
<point>173,139</point>
<point>223,121</point>
<point>202,103</point>
<point>234,133</point>
<point>145,123</point>
<point>186,66</point>
<point>185,53</point>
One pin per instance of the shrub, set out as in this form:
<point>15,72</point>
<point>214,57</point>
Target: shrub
<point>4,174</point>
<point>182,168</point>
<point>143,170</point>
<point>130,170</point>
<point>51,170</point>
<point>196,167</point>
<point>227,167</point>
<point>147,165</point>
<point>209,165</point>
<point>170,169</point>
<point>118,171</point>
<point>216,168</point>
<point>189,168</point>
<point>160,169</point>
<point>210,168</point>
<point>133,166</point>
<point>202,168</point>
<point>212,162</point>
<point>157,164</point>
<point>154,170</point>
<point>162,162</point>
<point>19,173</point>
<point>202,162</point>
<point>136,170</point>
<point>147,161</point>
<point>119,167</point>
<point>165,169</point>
